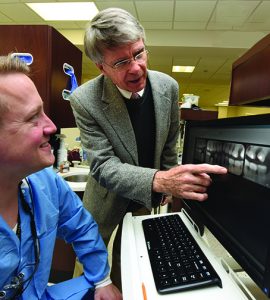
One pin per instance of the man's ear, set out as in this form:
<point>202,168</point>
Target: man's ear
<point>100,67</point>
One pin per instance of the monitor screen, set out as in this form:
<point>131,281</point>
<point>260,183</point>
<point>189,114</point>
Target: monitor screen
<point>237,210</point>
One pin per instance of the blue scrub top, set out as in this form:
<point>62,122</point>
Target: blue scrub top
<point>58,213</point>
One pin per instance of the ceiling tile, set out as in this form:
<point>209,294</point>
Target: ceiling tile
<point>187,61</point>
<point>160,60</point>
<point>161,11</point>
<point>185,10</point>
<point>201,75</point>
<point>233,12</point>
<point>75,36</point>
<point>127,5</point>
<point>226,67</point>
<point>10,1</point>
<point>64,24</point>
<point>4,19</point>
<point>164,69</point>
<point>33,1</point>
<point>261,13</point>
<point>254,26</point>
<point>181,76</point>
<point>189,25</point>
<point>82,24</point>
<point>220,77</point>
<point>219,26</point>
<point>20,13</point>
<point>156,25</point>
<point>210,63</point>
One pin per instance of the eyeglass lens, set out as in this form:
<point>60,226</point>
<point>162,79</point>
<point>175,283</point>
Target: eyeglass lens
<point>140,58</point>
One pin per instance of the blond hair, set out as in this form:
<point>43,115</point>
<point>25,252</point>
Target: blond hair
<point>10,64</point>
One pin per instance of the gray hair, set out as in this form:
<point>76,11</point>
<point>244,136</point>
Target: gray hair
<point>110,28</point>
<point>8,65</point>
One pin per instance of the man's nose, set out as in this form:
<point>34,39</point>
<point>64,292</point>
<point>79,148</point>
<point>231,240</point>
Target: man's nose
<point>134,65</point>
<point>50,127</point>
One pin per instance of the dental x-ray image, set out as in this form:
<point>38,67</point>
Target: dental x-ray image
<point>228,154</point>
<point>257,164</point>
<point>250,161</point>
<point>200,150</point>
<point>233,157</point>
<point>214,153</point>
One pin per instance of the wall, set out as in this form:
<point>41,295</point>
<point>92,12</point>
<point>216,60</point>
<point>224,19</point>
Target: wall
<point>237,111</point>
<point>71,135</point>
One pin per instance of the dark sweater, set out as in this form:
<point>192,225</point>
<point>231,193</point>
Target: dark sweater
<point>142,116</point>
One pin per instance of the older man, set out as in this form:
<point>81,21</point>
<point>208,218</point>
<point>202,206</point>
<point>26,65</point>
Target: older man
<point>129,123</point>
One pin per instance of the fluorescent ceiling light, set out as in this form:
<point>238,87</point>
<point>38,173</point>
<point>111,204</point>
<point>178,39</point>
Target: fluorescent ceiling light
<point>183,69</point>
<point>65,11</point>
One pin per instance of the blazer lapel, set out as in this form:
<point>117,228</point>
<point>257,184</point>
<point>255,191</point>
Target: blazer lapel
<point>162,113</point>
<point>117,115</point>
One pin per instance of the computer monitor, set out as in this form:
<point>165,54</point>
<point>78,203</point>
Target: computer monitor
<point>237,210</point>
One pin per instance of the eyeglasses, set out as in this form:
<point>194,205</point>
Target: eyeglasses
<point>122,65</point>
<point>18,284</point>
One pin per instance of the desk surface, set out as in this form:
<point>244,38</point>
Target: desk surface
<point>136,269</point>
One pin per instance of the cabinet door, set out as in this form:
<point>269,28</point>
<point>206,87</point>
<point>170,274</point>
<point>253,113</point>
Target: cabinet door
<point>29,39</point>
<point>251,76</point>
<point>62,51</point>
<point>50,51</point>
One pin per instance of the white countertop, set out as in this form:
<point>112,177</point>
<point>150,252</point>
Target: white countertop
<point>76,186</point>
<point>137,277</point>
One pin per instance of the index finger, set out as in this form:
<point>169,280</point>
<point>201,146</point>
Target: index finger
<point>210,169</point>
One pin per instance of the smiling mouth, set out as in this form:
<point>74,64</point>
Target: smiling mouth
<point>44,145</point>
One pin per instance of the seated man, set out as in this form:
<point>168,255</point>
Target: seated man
<point>37,206</point>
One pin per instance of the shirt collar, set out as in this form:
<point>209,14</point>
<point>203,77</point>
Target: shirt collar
<point>128,94</point>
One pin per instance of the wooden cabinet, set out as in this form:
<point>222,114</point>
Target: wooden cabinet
<point>251,76</point>
<point>50,51</point>
<point>63,262</point>
<point>199,115</point>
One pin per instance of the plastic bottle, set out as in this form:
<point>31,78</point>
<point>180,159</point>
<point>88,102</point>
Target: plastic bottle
<point>85,156</point>
<point>62,151</point>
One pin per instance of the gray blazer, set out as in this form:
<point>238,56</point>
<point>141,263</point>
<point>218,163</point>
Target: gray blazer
<point>107,136</point>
